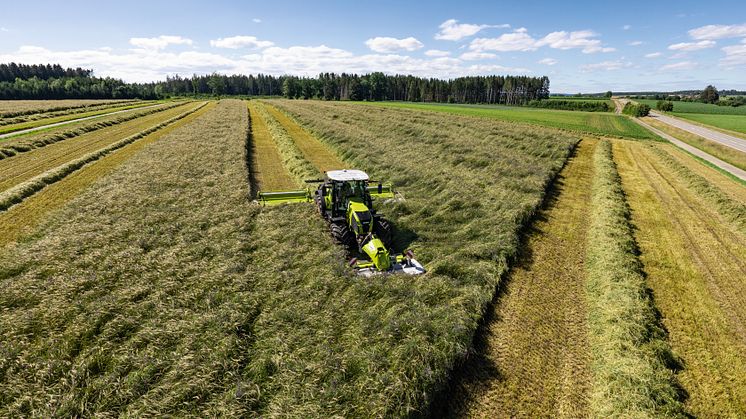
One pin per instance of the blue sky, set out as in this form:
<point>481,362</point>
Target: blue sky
<point>581,46</point>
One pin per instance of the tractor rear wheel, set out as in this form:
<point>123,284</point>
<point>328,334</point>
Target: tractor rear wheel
<point>384,231</point>
<point>343,235</point>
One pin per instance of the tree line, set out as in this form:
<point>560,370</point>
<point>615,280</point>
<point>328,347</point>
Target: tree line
<point>21,81</point>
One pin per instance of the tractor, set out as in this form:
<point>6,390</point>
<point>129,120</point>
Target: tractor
<point>344,198</point>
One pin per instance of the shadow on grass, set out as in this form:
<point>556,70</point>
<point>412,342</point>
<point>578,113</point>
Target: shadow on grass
<point>251,176</point>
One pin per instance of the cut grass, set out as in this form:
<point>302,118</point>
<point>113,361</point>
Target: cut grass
<point>29,187</point>
<point>266,168</point>
<point>734,187</point>
<point>25,166</point>
<point>316,153</point>
<point>531,355</point>
<point>21,219</point>
<point>68,117</point>
<point>161,291</point>
<point>21,144</point>
<point>725,153</point>
<point>631,358</point>
<point>14,108</point>
<point>693,263</point>
<point>588,122</point>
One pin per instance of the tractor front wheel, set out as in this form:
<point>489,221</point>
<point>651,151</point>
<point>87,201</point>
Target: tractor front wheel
<point>343,235</point>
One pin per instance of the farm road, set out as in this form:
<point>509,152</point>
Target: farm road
<point>712,135</point>
<point>72,121</point>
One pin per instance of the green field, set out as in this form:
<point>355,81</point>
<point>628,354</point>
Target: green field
<point>729,122</point>
<point>584,99</point>
<point>589,122</point>
<point>697,107</point>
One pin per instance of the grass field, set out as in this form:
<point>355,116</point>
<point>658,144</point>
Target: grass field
<point>10,108</point>
<point>267,171</point>
<point>588,122</point>
<point>698,108</point>
<point>69,116</point>
<point>736,123</point>
<point>585,99</point>
<point>204,330</point>
<point>692,257</point>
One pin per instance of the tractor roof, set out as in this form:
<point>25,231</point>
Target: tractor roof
<point>347,174</point>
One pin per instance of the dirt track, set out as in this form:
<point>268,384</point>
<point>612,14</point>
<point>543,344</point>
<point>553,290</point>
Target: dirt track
<point>532,355</point>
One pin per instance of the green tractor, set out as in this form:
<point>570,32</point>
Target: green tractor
<point>345,199</point>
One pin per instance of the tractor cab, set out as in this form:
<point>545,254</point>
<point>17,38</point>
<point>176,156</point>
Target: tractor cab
<point>343,187</point>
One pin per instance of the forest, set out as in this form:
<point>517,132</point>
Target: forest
<point>20,81</point>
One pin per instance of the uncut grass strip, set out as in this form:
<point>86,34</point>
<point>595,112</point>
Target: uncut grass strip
<point>14,146</point>
<point>732,210</point>
<point>21,220</point>
<point>292,157</point>
<point>24,190</point>
<point>632,363</point>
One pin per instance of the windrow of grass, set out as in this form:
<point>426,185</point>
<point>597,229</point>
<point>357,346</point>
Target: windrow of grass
<point>13,146</point>
<point>14,108</point>
<point>732,210</point>
<point>470,186</point>
<point>292,157</point>
<point>23,190</point>
<point>632,362</point>
<point>70,117</point>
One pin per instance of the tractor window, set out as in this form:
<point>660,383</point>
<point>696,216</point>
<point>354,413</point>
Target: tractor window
<point>364,216</point>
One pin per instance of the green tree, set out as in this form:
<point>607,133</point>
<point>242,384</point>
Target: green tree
<point>609,94</point>
<point>709,95</point>
<point>664,105</point>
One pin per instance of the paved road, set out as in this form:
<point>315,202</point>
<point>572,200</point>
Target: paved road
<point>56,124</point>
<point>710,134</point>
<point>697,152</point>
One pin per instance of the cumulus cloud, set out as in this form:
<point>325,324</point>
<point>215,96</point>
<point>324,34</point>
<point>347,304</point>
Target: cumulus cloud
<point>451,30</point>
<point>474,55</point>
<point>4,29</point>
<point>691,46</point>
<point>437,53</point>
<point>548,61</point>
<point>256,20</point>
<point>605,66</point>
<point>585,40</point>
<point>141,65</point>
<point>635,43</point>
<point>388,44</point>
<point>653,55</point>
<point>626,27</point>
<point>520,40</point>
<point>240,41</point>
<point>711,32</point>
<point>159,42</point>
<point>683,65</point>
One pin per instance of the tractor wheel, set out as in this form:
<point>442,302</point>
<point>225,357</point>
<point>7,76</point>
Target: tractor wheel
<point>320,204</point>
<point>343,235</point>
<point>384,231</point>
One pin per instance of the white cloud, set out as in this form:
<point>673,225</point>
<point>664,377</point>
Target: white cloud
<point>141,65</point>
<point>653,55</point>
<point>240,41</point>
<point>451,30</point>
<point>256,20</point>
<point>518,40</point>
<point>475,55</point>
<point>683,65</point>
<point>4,29</point>
<point>735,55</point>
<point>711,32</point>
<point>635,43</point>
<point>691,46</point>
<point>159,42</point>
<point>576,39</point>
<point>437,53</point>
<point>627,27</point>
<point>388,44</point>
<point>548,61</point>
<point>605,66</point>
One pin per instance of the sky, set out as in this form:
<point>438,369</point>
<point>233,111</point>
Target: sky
<point>581,46</point>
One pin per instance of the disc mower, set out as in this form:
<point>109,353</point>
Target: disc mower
<point>344,198</point>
